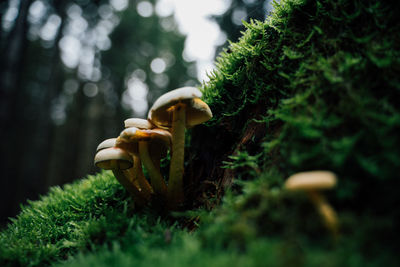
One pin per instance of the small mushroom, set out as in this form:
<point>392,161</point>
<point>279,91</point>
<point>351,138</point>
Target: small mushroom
<point>312,182</point>
<point>118,160</point>
<point>137,163</point>
<point>177,110</point>
<point>140,141</point>
<point>110,142</point>
<point>134,174</point>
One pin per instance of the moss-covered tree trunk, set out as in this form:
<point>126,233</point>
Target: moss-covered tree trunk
<point>314,87</point>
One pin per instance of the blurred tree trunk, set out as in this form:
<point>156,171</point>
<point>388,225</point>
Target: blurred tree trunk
<point>11,93</point>
<point>12,58</point>
<point>46,131</point>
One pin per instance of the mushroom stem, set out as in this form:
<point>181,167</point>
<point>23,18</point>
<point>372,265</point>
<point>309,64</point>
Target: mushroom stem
<point>132,190</point>
<point>141,181</point>
<point>156,178</point>
<point>175,183</point>
<point>326,211</point>
<point>157,162</point>
<point>133,177</point>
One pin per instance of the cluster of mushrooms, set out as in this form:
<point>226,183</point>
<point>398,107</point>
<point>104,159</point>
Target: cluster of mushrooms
<point>148,141</point>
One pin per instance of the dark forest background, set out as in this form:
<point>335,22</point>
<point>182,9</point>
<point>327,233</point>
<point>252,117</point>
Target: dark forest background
<point>72,71</point>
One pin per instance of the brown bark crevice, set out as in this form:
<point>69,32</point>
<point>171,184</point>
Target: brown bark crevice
<point>205,179</point>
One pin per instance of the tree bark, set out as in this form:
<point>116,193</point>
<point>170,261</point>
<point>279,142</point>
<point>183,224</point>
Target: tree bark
<point>205,178</point>
<point>11,91</point>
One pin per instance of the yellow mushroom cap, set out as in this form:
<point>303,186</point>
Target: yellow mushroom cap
<point>132,134</point>
<point>197,111</point>
<point>106,144</point>
<point>313,180</point>
<point>113,158</point>
<point>129,138</point>
<point>138,123</point>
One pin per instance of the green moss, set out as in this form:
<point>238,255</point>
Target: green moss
<point>315,86</point>
<point>321,77</point>
<point>82,216</point>
<point>260,226</point>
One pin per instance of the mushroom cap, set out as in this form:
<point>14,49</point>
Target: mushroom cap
<point>197,111</point>
<point>159,139</point>
<point>113,158</point>
<point>106,144</point>
<point>138,123</point>
<point>313,180</point>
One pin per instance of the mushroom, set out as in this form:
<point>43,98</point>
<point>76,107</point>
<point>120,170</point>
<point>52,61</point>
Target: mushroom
<point>177,110</point>
<point>118,160</point>
<point>312,182</point>
<point>134,174</point>
<point>150,144</point>
<point>110,142</point>
<point>137,163</point>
